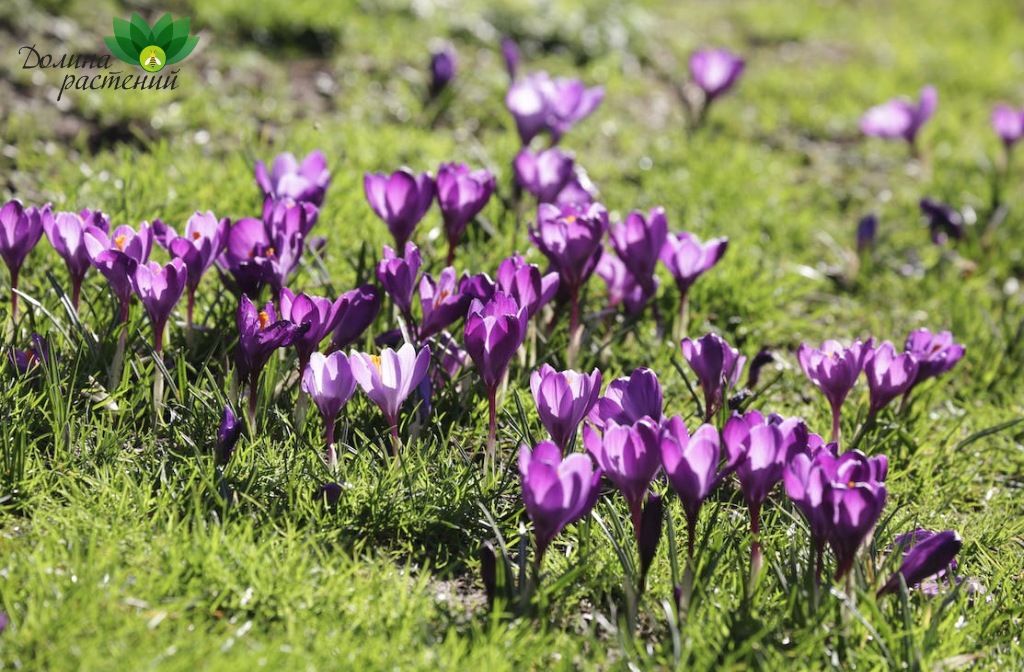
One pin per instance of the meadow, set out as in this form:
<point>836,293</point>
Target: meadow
<point>130,538</point>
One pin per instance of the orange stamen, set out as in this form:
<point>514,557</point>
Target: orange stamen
<point>195,235</point>
<point>119,241</point>
<point>264,318</point>
<point>376,361</point>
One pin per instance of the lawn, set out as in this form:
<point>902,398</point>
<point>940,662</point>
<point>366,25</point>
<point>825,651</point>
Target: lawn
<point>125,543</point>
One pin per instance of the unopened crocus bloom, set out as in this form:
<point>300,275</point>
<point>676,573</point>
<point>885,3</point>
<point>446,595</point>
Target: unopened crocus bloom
<point>227,436</point>
<point>853,509</point>
<point>389,378</point>
<point>357,310</point>
<point>928,555</point>
<point>718,367</point>
<point>715,71</point>
<point>20,230</point>
<point>889,374</point>
<point>557,492</point>
<point>691,465</point>
<point>320,313</point>
<point>539,103</point>
<point>563,399</point>
<point>306,181</point>
<point>629,399</point>
<point>570,237</point>
<point>117,255</point>
<point>400,200</point>
<point>867,229</point>
<point>935,354</point>
<point>834,369</point>
<point>286,216</point>
<point>545,173</point>
<point>66,232</point>
<point>493,333</point>
<point>687,258</point>
<point>444,63</point>
<point>442,302</point>
<point>159,288</point>
<point>900,117</point>
<point>1008,124</point>
<point>260,333</point>
<point>328,380</point>
<point>510,52</point>
<point>201,244</point>
<point>525,283</point>
<point>461,195</point>
<point>639,242</point>
<point>622,287</point>
<point>944,221</point>
<point>630,457</point>
<point>397,276</point>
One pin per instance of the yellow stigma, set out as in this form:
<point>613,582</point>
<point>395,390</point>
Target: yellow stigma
<point>849,484</point>
<point>376,361</point>
<point>119,241</point>
<point>264,318</point>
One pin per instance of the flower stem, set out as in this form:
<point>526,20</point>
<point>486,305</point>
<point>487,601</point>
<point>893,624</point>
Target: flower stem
<point>396,441</point>
<point>76,292</point>
<point>683,317</point>
<point>332,453</point>
<point>254,383</point>
<point>492,428</point>
<point>575,333</point>
<point>755,546</point>
<point>451,251</point>
<point>837,430</point>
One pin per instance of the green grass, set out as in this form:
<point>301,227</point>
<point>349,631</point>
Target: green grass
<point>123,546</point>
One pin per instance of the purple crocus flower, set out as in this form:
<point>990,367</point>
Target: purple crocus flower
<point>444,63</point>
<point>306,181</point>
<point>227,436</point>
<point>1008,124</point>
<point>944,221</point>
<point>834,369</point>
<point>687,258</point>
<point>66,232</point>
<point>320,313</point>
<point>159,288</point>
<point>397,276</point>
<point>25,361</point>
<point>854,509</point>
<point>928,555</point>
<point>867,230</point>
<point>328,380</point>
<point>629,399</point>
<point>247,255</point>
<point>461,195</point>
<point>20,230</point>
<point>900,117</point>
<point>284,217</point>
<point>525,283</point>
<point>623,288</point>
<point>545,173</point>
<point>715,71</point>
<point>357,310</point>
<point>202,243</point>
<point>889,374</point>
<point>510,52</point>
<point>479,287</point>
<point>117,255</point>
<point>691,465</point>
<point>579,190</point>
<point>557,492</point>
<point>493,333</point>
<point>260,333</point>
<point>539,103</point>
<point>570,237</point>
<point>935,354</point>
<point>442,302</point>
<point>388,379</point>
<point>563,399</point>
<point>639,242</point>
<point>718,367</point>
<point>400,200</point>
<point>630,457</point>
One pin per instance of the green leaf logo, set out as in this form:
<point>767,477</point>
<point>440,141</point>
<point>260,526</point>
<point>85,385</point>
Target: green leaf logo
<point>167,42</point>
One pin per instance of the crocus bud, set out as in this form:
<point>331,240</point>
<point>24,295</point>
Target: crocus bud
<point>650,530</point>
<point>489,570</point>
<point>944,221</point>
<point>1008,124</point>
<point>444,63</point>
<point>763,358</point>
<point>715,71</point>
<point>900,117</point>
<point>227,436</point>
<point>867,229</point>
<point>925,559</point>
<point>330,493</point>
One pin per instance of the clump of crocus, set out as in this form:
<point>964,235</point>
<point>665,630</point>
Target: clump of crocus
<point>329,382</point>
<point>66,232</point>
<point>759,449</point>
<point>557,492</point>
<point>935,354</point>
<point>444,64</point>
<point>20,230</point>
<point>260,333</point>
<point>687,258</point>
<point>629,399</point>
<point>400,200</point>
<point>357,309</point>
<point>691,465</point>
<point>525,283</point>
<point>540,104</point>
<point>867,230</point>
<point>545,173</point>
<point>630,457</point>
<point>227,436</point>
<point>442,302</point>
<point>901,118</point>
<point>889,374</point>
<point>834,369</point>
<point>159,288</point>
<point>494,331</point>
<point>563,399</point>
<point>926,554</point>
<point>461,195</point>
<point>718,366</point>
<point>306,181</point>
<point>389,378</point>
<point>199,247</point>
<point>320,313</point>
<point>944,221</point>
<point>639,242</point>
<point>715,71</point>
